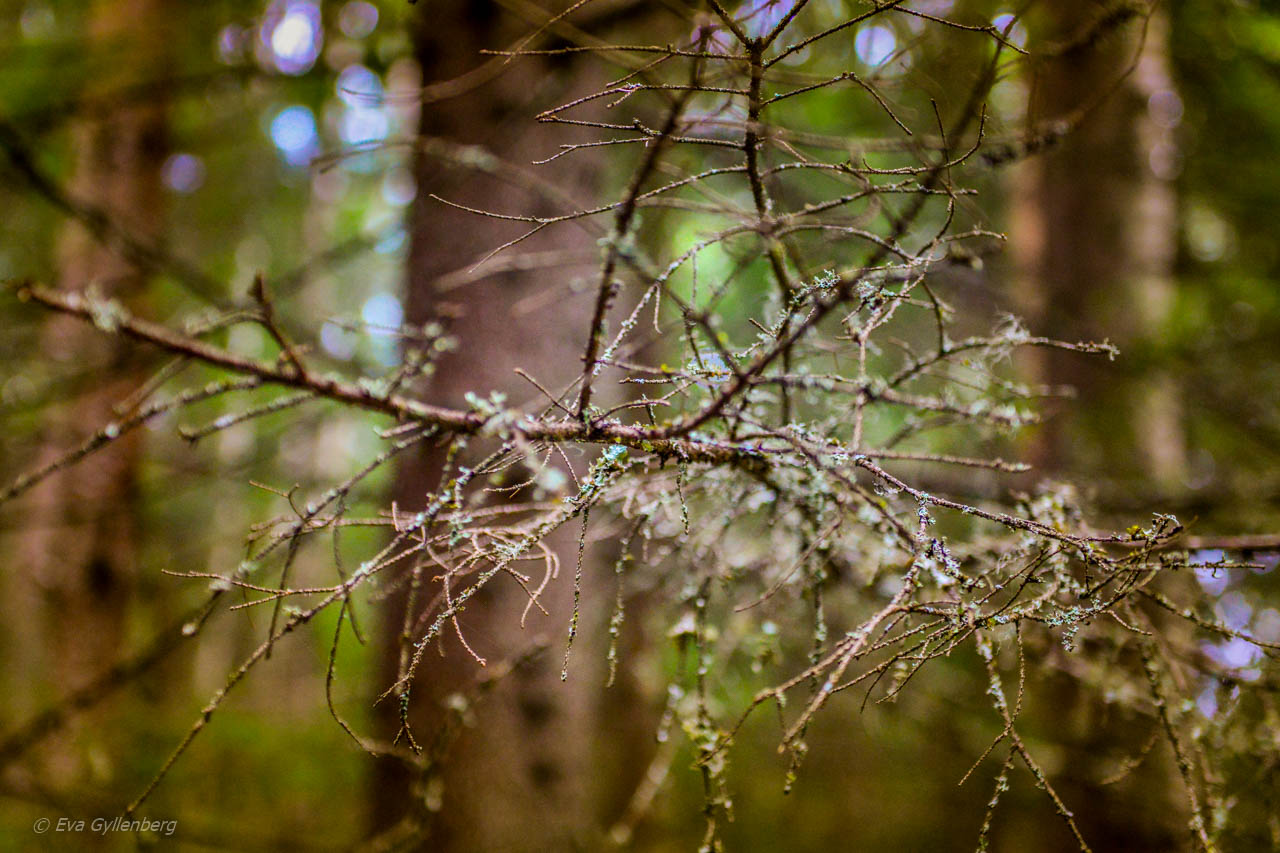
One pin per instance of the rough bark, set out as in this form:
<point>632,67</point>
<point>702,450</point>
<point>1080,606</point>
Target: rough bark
<point>524,773</point>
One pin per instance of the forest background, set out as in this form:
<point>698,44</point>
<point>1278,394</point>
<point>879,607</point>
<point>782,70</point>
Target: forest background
<point>174,154</point>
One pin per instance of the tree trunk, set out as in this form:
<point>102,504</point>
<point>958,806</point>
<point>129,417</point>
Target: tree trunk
<point>523,774</point>
<point>1092,232</point>
<point>80,540</point>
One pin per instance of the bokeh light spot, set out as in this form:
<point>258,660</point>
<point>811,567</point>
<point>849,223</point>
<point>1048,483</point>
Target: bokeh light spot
<point>357,19</point>
<point>293,130</point>
<point>296,38</point>
<point>874,45</point>
<point>183,173</point>
<point>382,312</point>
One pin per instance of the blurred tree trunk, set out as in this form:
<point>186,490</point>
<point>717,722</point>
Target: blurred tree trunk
<point>81,533</point>
<point>526,772</point>
<point>1093,225</point>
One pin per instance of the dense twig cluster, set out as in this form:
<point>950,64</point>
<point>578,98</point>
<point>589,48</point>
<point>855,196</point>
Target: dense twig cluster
<point>813,353</point>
